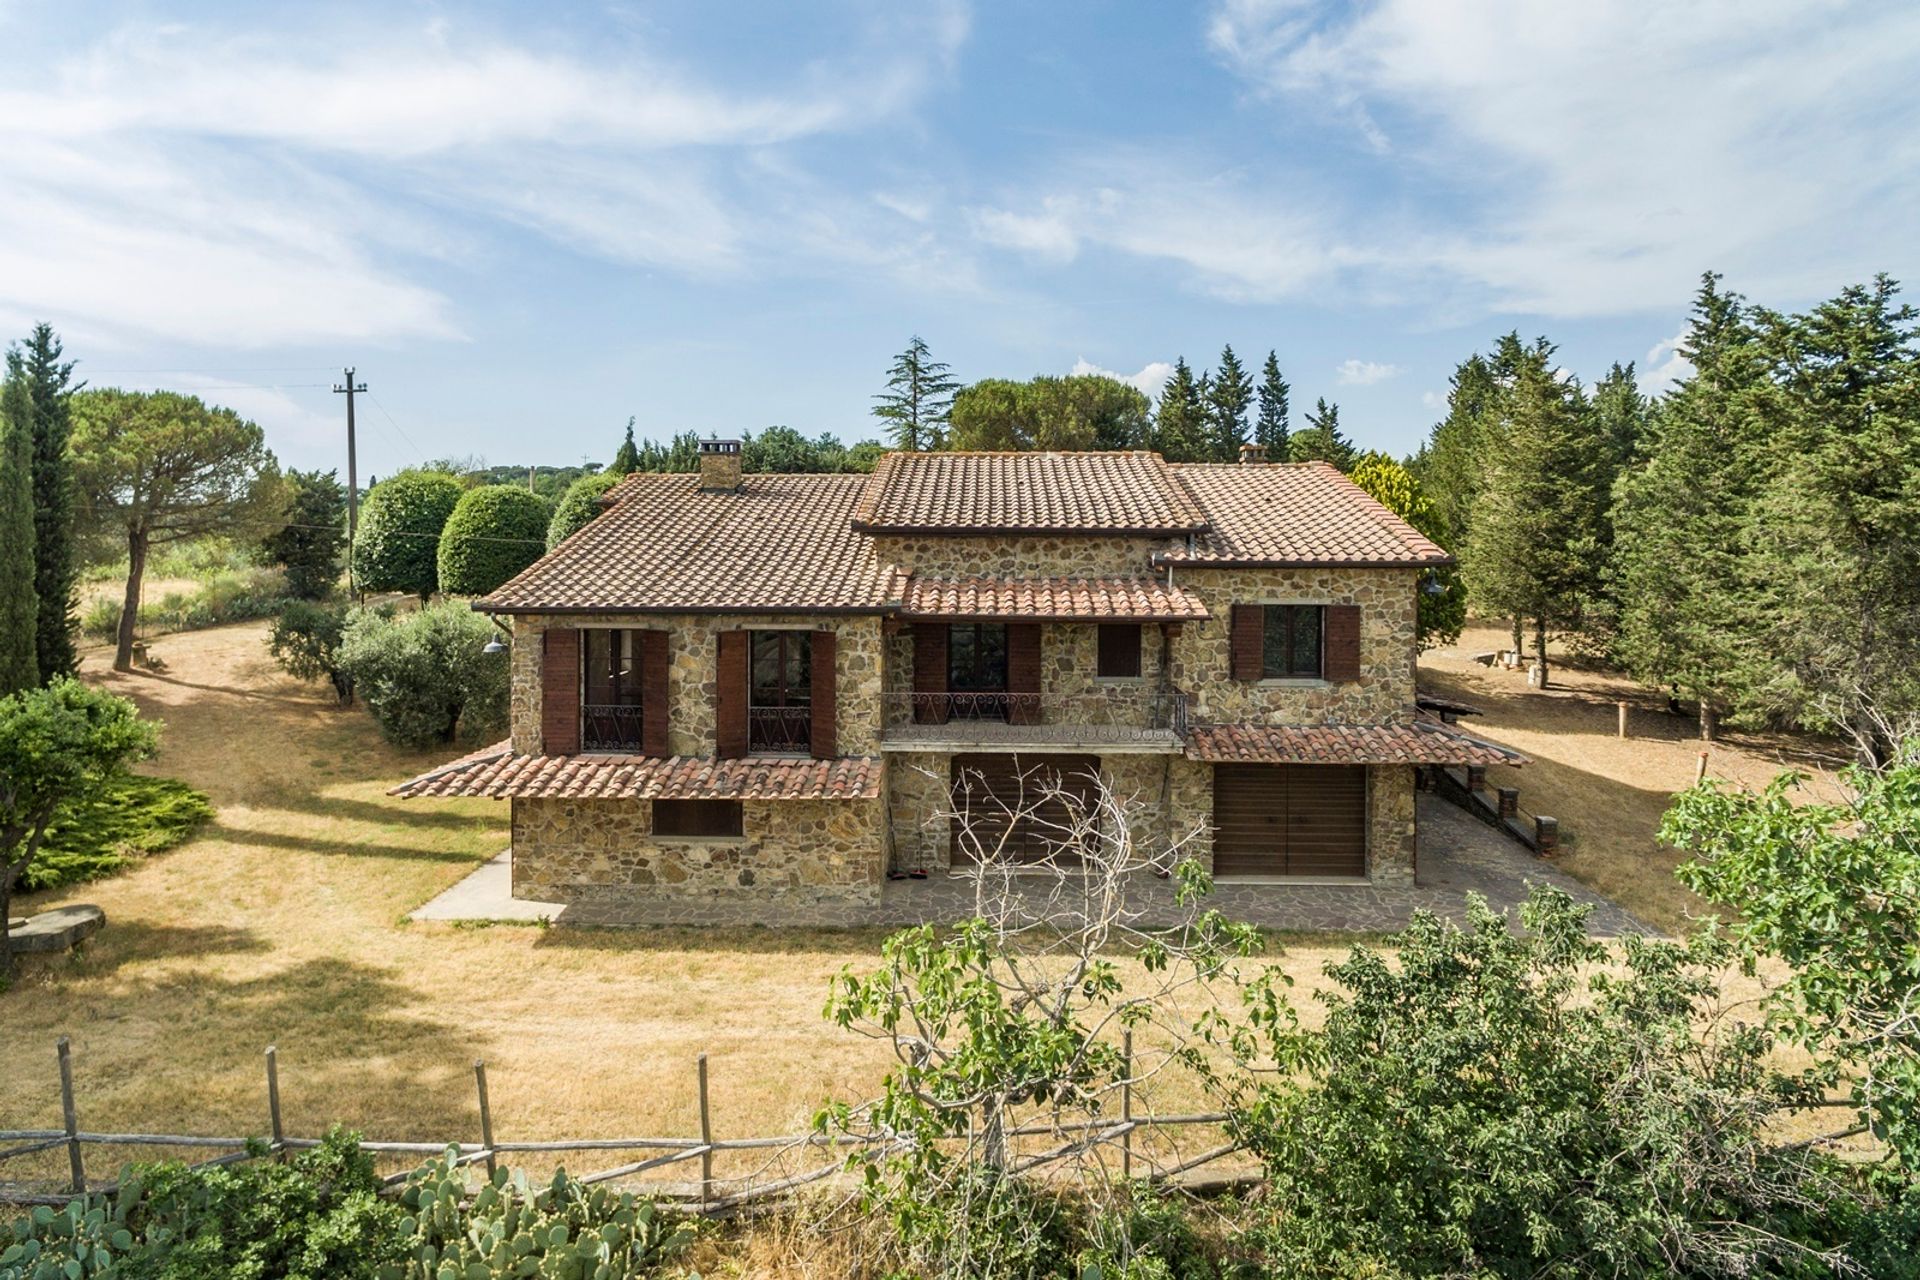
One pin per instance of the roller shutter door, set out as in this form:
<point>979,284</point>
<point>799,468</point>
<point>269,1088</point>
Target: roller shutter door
<point>1289,820</point>
<point>987,786</point>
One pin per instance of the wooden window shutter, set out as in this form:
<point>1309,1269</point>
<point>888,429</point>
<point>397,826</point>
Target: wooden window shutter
<point>1119,653</point>
<point>560,691</point>
<point>730,696</point>
<point>654,714</point>
<point>1247,644</point>
<point>1023,672</point>
<point>1341,662</point>
<point>825,697</point>
<point>929,672</point>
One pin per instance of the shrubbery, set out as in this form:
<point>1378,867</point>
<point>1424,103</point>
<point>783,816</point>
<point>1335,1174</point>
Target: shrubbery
<point>493,533</point>
<point>422,673</point>
<point>128,819</point>
<point>226,595</point>
<point>398,548</point>
<point>305,640</point>
<point>321,1217</point>
<point>579,505</point>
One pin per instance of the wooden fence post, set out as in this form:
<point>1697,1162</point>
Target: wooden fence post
<point>71,1116</point>
<point>706,1136</point>
<point>1623,717</point>
<point>486,1114</point>
<point>273,1104</point>
<point>1126,1105</point>
<point>1700,770</point>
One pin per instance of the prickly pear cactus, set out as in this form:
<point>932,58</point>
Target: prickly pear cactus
<point>83,1238</point>
<point>507,1228</point>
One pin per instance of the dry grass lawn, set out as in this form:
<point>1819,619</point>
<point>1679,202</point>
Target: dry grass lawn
<point>1609,793</point>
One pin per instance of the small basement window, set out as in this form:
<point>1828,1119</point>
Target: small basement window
<point>1119,650</point>
<point>697,818</point>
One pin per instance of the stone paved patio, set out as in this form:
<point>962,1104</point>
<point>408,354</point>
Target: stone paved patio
<point>1458,856</point>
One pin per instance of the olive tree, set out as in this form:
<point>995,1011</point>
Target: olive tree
<point>58,744</point>
<point>423,675</point>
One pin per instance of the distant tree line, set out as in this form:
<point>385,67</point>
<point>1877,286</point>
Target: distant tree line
<point>1750,539</point>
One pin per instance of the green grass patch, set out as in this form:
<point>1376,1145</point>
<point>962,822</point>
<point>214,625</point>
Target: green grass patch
<point>130,819</point>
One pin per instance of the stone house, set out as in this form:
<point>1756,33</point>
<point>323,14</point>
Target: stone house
<point>750,687</point>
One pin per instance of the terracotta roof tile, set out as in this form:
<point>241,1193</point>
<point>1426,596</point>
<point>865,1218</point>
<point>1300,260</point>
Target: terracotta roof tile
<point>1052,599</point>
<point>496,773</point>
<point>780,543</point>
<point>1419,742</point>
<point>1025,492</point>
<point>1301,513</point>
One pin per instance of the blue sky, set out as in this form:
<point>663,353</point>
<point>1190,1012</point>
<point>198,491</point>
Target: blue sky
<point>523,226</point>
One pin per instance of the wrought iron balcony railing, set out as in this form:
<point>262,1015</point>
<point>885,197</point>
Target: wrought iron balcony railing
<point>609,727</point>
<point>779,729</point>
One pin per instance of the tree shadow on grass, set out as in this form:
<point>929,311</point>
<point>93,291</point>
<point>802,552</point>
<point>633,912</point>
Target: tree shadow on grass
<point>397,812</point>
<point>369,848</point>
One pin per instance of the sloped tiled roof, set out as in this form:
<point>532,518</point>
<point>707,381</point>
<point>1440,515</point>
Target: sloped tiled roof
<point>496,772</point>
<point>1052,599</point>
<point>1302,513</point>
<point>780,542</point>
<point>1025,493</point>
<point>1420,742</point>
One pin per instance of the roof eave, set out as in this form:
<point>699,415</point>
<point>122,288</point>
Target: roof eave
<point>1004,530</point>
<point>1249,562</point>
<point>849,610</point>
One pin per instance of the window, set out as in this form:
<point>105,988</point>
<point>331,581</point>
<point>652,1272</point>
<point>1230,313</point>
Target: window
<point>695,818</point>
<point>1119,650</point>
<point>610,708</point>
<point>780,691</point>
<point>1291,648</point>
<point>977,670</point>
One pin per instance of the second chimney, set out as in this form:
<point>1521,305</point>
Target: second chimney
<point>1251,453</point>
<point>719,465</point>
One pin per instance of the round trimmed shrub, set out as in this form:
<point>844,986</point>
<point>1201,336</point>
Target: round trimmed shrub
<point>579,505</point>
<point>398,545</point>
<point>493,533</point>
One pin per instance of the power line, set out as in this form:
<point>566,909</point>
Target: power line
<point>417,450</point>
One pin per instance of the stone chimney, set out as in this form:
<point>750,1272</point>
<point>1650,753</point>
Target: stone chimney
<point>719,465</point>
<point>1251,453</point>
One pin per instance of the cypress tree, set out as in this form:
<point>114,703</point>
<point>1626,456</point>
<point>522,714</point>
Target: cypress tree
<point>1321,440</point>
<point>19,605</point>
<point>1270,426</point>
<point>1228,397</point>
<point>1180,424</point>
<point>626,460</point>
<point>46,386</point>
<point>1450,463</point>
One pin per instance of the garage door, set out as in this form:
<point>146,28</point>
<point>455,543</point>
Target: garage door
<point>1289,820</point>
<point>998,794</point>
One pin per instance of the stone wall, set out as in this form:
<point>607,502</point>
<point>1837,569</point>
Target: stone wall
<point>1033,556</point>
<point>603,853</point>
<point>1391,825</point>
<point>693,649</point>
<point>1383,694</point>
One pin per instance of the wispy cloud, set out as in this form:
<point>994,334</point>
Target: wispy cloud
<point>1364,373</point>
<point>233,190</point>
<point>1150,380</point>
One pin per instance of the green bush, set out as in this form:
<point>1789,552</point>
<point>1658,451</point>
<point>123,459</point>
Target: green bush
<point>320,1217</point>
<point>309,546</point>
<point>422,674</point>
<point>494,532</point>
<point>131,818</point>
<point>398,545</point>
<point>579,505</point>
<point>305,641</point>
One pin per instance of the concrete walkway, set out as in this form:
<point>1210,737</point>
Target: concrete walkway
<point>1458,856</point>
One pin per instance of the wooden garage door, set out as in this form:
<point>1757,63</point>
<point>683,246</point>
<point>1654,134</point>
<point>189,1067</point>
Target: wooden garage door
<point>1289,820</point>
<point>997,792</point>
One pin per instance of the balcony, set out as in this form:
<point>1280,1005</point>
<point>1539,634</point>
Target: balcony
<point>609,727</point>
<point>779,730</point>
<point>1102,718</point>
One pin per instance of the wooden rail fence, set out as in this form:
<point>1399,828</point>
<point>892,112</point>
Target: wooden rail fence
<point>712,1194</point>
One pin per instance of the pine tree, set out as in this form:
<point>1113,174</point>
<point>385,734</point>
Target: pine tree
<point>1229,396</point>
<point>626,459</point>
<point>1270,426</point>
<point>918,400</point>
<point>1451,461</point>
<point>46,385</point>
<point>1321,440</point>
<point>1180,431</point>
<point>19,606</point>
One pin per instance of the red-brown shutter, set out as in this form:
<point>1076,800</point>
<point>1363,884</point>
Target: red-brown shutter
<point>825,695</point>
<point>1342,661</point>
<point>560,691</point>
<point>1023,672</point>
<point>1248,641</point>
<point>654,715</point>
<point>929,672</point>
<point>730,696</point>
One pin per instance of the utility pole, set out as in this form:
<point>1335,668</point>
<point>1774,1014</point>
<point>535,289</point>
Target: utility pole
<point>353,473</point>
